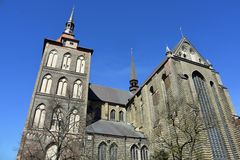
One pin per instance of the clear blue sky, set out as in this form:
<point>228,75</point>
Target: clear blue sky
<point>111,28</point>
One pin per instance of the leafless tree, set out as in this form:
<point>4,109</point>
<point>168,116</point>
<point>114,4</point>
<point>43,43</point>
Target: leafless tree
<point>185,125</point>
<point>62,134</point>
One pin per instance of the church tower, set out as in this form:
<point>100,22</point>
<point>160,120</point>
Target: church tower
<point>59,100</point>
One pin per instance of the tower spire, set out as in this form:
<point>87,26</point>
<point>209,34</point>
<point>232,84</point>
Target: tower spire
<point>133,78</point>
<point>69,28</point>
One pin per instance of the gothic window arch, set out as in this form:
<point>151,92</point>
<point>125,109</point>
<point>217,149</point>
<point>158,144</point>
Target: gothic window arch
<point>102,151</point>
<point>113,151</point>
<point>80,64</point>
<point>46,84</point>
<point>152,90</point>
<point>164,87</point>
<point>121,116</point>
<point>66,61</point>
<point>57,119</point>
<point>39,116</point>
<point>208,112</point>
<point>52,58</point>
<point>77,89</point>
<point>134,152</point>
<point>51,153</point>
<point>62,87</point>
<point>221,114</point>
<point>144,153</point>
<point>74,121</point>
<point>112,114</point>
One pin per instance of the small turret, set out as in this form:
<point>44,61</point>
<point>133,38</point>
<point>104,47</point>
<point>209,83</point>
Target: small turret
<point>69,28</point>
<point>133,78</point>
<point>67,38</point>
<point>168,52</point>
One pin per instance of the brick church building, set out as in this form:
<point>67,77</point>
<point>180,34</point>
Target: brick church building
<point>71,118</point>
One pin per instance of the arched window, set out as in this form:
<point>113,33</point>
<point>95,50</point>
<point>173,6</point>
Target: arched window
<point>62,87</point>
<point>112,115</point>
<point>57,120</point>
<point>221,114</point>
<point>113,152</point>
<point>152,90</point>
<point>208,112</point>
<point>134,152</point>
<point>51,153</point>
<point>66,61</point>
<point>74,121</point>
<point>102,149</point>
<point>46,84</point>
<point>77,89</point>
<point>80,64</point>
<point>144,153</point>
<point>52,59</point>
<point>121,116</point>
<point>39,116</point>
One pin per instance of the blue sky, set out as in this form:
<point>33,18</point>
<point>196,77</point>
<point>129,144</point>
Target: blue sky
<point>111,28</point>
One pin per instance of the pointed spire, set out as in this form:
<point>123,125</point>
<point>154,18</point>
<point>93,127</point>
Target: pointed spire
<point>133,78</point>
<point>133,72</point>
<point>71,16</point>
<point>167,49</point>
<point>168,52</point>
<point>210,64</point>
<point>69,28</point>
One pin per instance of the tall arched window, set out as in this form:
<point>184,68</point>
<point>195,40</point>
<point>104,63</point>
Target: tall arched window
<point>164,87</point>
<point>121,116</point>
<point>221,114</point>
<point>80,64</point>
<point>74,121</point>
<point>144,153</point>
<point>57,120</point>
<point>52,58</point>
<point>209,116</point>
<point>46,84</point>
<point>62,87</point>
<point>134,152</point>
<point>51,153</point>
<point>113,152</point>
<point>102,149</point>
<point>77,89</point>
<point>66,61</point>
<point>112,115</point>
<point>39,116</point>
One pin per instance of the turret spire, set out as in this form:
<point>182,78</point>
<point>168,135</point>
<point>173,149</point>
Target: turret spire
<point>133,72</point>
<point>168,52</point>
<point>69,28</point>
<point>133,78</point>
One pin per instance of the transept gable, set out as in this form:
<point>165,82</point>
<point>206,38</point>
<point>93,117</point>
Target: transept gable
<point>186,50</point>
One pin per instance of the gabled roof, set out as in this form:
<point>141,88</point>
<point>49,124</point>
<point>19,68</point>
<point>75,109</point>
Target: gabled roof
<point>107,94</point>
<point>113,128</point>
<point>175,51</point>
<point>181,43</point>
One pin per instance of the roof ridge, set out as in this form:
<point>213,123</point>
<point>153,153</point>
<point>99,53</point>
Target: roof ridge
<point>103,86</point>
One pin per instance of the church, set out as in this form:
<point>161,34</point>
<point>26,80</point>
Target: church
<point>71,118</point>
